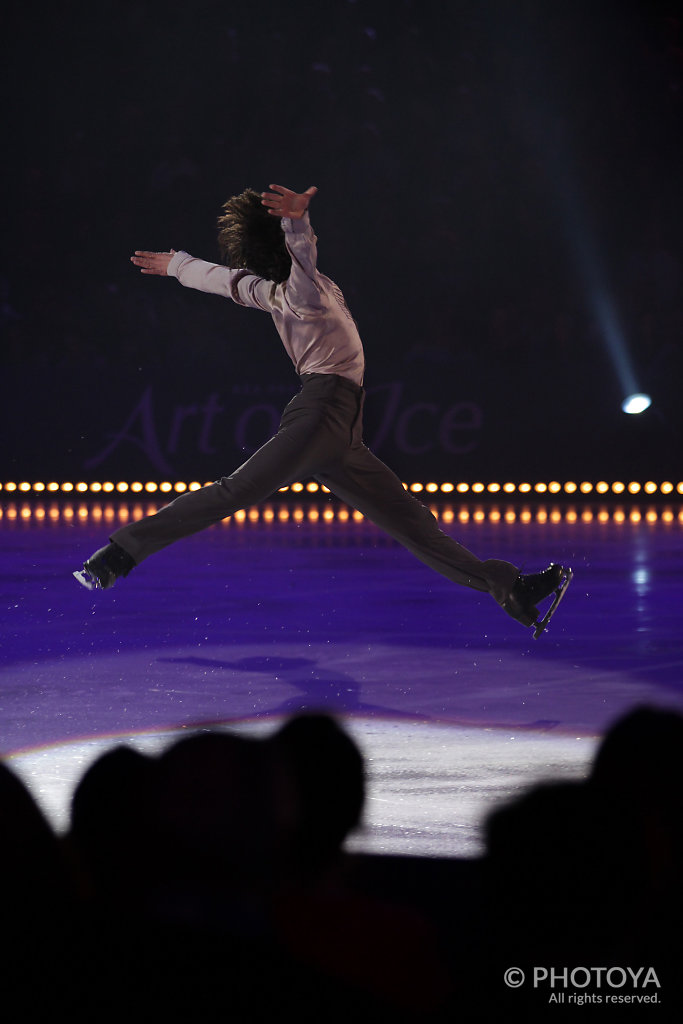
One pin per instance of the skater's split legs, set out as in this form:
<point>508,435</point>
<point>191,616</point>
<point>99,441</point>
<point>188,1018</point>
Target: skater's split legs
<point>320,435</point>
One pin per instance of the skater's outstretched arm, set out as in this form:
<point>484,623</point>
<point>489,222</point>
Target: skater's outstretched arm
<point>239,285</point>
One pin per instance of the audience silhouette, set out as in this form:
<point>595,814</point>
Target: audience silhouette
<point>216,875</point>
<point>589,873</point>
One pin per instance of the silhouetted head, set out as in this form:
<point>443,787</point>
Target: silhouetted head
<point>215,806</point>
<point>642,752</point>
<point>30,856</point>
<point>548,822</point>
<point>109,793</point>
<point>551,868</point>
<point>251,238</point>
<point>328,779</point>
<point>638,774</point>
<point>109,817</point>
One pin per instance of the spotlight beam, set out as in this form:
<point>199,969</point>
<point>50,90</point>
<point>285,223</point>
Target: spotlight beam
<point>584,249</point>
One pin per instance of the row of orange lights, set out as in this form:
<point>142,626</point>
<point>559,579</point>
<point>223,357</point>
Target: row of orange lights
<point>601,487</point>
<point>284,513</point>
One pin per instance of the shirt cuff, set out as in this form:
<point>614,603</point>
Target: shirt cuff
<point>296,225</point>
<point>176,260</point>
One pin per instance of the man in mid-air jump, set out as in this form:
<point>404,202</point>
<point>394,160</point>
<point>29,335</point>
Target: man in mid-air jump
<point>270,256</point>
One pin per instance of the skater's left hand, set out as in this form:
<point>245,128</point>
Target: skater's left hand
<point>153,262</point>
<point>282,202</point>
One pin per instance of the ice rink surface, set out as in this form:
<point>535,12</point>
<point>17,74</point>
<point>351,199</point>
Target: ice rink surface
<point>455,706</point>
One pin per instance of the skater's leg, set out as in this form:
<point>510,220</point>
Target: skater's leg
<point>315,429</point>
<point>271,467</point>
<point>367,484</point>
<point>290,455</point>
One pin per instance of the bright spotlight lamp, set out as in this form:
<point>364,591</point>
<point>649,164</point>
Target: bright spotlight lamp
<point>636,403</point>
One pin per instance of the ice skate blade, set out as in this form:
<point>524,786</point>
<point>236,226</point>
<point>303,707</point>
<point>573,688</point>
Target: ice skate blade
<point>86,580</point>
<point>542,624</point>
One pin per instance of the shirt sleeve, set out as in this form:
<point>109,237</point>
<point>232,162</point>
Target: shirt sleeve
<point>243,287</point>
<point>303,287</point>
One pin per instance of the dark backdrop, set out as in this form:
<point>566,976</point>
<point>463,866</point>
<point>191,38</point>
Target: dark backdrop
<point>500,194</point>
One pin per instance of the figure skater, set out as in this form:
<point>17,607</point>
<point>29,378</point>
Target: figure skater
<point>270,256</point>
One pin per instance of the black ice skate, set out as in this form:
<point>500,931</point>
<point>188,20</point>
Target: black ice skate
<point>534,587</point>
<point>102,569</point>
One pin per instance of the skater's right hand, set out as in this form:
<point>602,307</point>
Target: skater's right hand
<point>153,262</point>
<point>282,202</point>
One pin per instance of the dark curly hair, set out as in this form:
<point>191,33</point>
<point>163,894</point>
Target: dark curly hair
<point>252,238</point>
